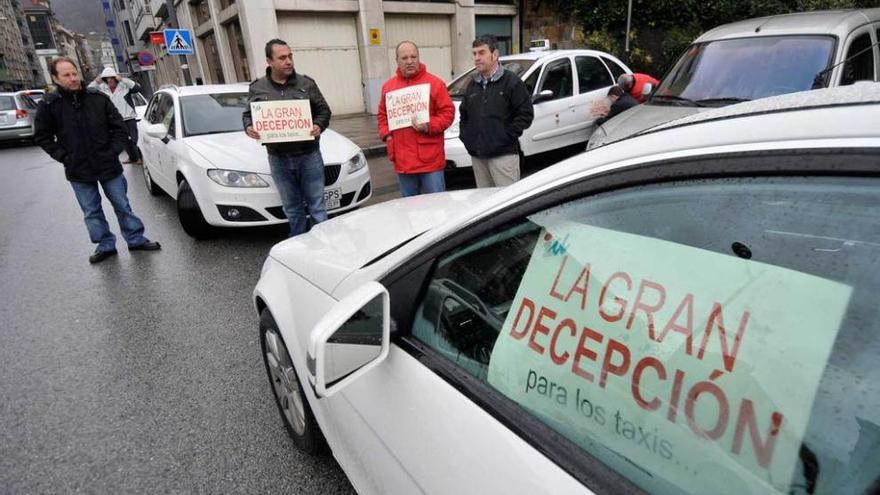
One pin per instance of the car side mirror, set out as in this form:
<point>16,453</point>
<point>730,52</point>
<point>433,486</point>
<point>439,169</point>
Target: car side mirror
<point>349,340</point>
<point>157,131</point>
<point>545,95</point>
<point>647,89</point>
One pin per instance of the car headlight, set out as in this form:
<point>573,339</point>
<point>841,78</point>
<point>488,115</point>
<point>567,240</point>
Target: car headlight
<point>232,178</point>
<point>598,138</point>
<point>356,163</point>
<point>453,131</point>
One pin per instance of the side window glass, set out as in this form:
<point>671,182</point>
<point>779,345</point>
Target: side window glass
<point>592,74</point>
<point>169,119</point>
<point>558,78</point>
<point>859,66</point>
<point>153,109</point>
<point>532,81</point>
<point>616,69</point>
<point>670,348</point>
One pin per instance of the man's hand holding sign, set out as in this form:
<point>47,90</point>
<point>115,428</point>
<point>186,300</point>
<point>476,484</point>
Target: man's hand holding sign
<point>409,106</point>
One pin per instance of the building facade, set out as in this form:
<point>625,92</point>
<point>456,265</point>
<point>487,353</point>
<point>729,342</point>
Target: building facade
<point>15,48</point>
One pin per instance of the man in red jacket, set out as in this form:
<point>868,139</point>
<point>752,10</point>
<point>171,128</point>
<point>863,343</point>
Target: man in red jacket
<point>415,147</point>
<point>634,84</point>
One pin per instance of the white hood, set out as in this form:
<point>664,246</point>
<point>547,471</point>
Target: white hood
<point>336,248</point>
<point>642,117</point>
<point>236,151</point>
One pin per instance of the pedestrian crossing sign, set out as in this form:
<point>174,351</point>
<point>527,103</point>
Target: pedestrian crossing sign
<point>178,42</point>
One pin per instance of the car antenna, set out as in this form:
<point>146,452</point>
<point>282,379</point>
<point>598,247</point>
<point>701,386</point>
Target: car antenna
<point>823,72</point>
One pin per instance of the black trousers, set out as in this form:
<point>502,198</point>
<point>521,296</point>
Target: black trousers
<point>131,148</point>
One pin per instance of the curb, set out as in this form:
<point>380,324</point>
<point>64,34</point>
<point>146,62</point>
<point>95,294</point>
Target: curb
<point>374,150</point>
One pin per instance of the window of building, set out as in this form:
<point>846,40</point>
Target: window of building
<point>128,35</point>
<point>226,3</point>
<point>212,56</point>
<point>201,11</point>
<point>498,26</point>
<point>239,53</point>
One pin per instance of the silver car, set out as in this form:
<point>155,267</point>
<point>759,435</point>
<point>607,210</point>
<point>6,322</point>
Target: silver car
<point>16,117</point>
<point>757,58</point>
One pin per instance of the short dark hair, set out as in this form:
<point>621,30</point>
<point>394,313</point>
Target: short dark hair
<point>53,64</point>
<point>615,91</point>
<point>404,42</point>
<point>487,40</point>
<point>271,43</point>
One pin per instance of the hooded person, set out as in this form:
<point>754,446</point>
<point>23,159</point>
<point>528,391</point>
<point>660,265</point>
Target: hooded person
<point>120,89</point>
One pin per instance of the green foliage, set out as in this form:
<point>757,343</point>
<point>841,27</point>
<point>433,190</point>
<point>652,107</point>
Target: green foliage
<point>666,27</point>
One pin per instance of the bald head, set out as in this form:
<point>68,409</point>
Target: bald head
<point>626,81</point>
<point>407,58</point>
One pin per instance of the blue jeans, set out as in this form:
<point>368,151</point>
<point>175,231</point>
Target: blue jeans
<point>430,182</point>
<point>89,199</point>
<point>300,182</point>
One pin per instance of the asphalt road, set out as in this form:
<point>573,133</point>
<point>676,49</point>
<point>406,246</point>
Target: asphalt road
<point>142,374</point>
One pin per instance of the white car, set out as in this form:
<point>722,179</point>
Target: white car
<point>194,149</point>
<point>757,58</point>
<point>693,310</point>
<point>565,85</point>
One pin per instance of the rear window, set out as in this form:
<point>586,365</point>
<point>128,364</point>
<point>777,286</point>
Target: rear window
<point>7,103</point>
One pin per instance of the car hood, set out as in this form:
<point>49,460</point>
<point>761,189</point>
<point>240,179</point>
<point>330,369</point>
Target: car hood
<point>334,249</point>
<point>642,117</point>
<point>236,151</point>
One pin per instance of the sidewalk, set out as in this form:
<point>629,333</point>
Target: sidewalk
<point>363,129</point>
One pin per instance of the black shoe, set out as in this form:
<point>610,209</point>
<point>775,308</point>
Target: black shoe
<point>147,246</point>
<point>100,256</point>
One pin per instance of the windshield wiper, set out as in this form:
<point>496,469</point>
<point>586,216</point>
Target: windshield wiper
<point>678,99</point>
<point>724,99</point>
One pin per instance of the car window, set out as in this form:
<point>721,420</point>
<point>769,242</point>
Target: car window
<point>154,110</point>
<point>736,355</point>
<point>532,81</point>
<point>558,79</point>
<point>138,99</point>
<point>517,66</point>
<point>213,113</point>
<point>25,102</point>
<point>727,71</point>
<point>859,65</point>
<point>6,103</point>
<point>616,69</point>
<point>592,74</point>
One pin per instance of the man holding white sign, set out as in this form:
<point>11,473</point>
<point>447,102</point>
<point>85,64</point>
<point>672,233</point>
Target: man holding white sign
<point>287,114</point>
<point>414,111</point>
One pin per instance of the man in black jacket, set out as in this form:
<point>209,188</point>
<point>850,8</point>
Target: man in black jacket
<point>495,110</point>
<point>83,130</point>
<point>297,167</point>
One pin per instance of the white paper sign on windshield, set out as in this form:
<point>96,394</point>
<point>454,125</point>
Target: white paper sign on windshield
<point>282,121</point>
<point>402,104</point>
<point>694,366</point>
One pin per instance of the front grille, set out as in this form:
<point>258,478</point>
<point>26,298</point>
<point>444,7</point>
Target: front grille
<point>331,174</point>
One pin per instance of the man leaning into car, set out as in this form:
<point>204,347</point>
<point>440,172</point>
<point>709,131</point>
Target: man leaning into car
<point>297,167</point>
<point>82,129</point>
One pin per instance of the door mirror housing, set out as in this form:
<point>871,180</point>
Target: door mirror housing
<point>157,131</point>
<point>351,339</point>
<point>545,95</point>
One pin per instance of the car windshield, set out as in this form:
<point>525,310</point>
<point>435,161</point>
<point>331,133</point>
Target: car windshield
<point>517,66</point>
<point>212,113</point>
<point>6,103</point>
<point>728,71</point>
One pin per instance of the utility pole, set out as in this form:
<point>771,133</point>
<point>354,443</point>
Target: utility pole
<point>629,12</point>
<point>172,19</point>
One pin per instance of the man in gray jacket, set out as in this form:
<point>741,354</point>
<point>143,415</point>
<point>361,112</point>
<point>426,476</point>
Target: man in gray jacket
<point>120,89</point>
<point>297,167</point>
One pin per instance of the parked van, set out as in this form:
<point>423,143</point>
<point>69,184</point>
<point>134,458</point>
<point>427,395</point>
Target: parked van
<point>757,58</point>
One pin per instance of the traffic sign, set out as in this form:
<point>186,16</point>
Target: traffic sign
<point>178,42</point>
<point>145,57</point>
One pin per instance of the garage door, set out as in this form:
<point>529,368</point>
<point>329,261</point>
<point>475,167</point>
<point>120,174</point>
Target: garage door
<point>325,48</point>
<point>432,33</point>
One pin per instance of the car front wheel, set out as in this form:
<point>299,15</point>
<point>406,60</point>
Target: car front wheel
<point>191,218</point>
<point>287,389</point>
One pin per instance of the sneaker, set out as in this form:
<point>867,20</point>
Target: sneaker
<point>100,256</point>
<point>147,246</point>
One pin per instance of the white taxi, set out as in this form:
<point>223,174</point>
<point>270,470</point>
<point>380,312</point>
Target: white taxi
<point>194,149</point>
<point>692,310</point>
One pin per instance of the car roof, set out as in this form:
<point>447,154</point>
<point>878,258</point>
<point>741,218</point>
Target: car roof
<point>207,89</point>
<point>552,53</point>
<point>835,22</point>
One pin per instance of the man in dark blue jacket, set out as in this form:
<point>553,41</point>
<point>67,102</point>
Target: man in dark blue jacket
<point>83,130</point>
<point>495,110</point>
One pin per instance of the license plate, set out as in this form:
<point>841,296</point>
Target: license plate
<point>332,198</point>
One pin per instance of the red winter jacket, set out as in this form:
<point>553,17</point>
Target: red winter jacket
<point>410,151</point>
<point>639,83</point>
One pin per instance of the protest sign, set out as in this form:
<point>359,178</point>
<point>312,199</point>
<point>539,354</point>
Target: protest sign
<point>282,121</point>
<point>695,366</point>
<point>402,104</point>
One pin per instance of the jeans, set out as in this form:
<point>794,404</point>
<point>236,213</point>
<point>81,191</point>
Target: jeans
<point>99,231</point>
<point>131,147</point>
<point>413,184</point>
<point>300,182</point>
